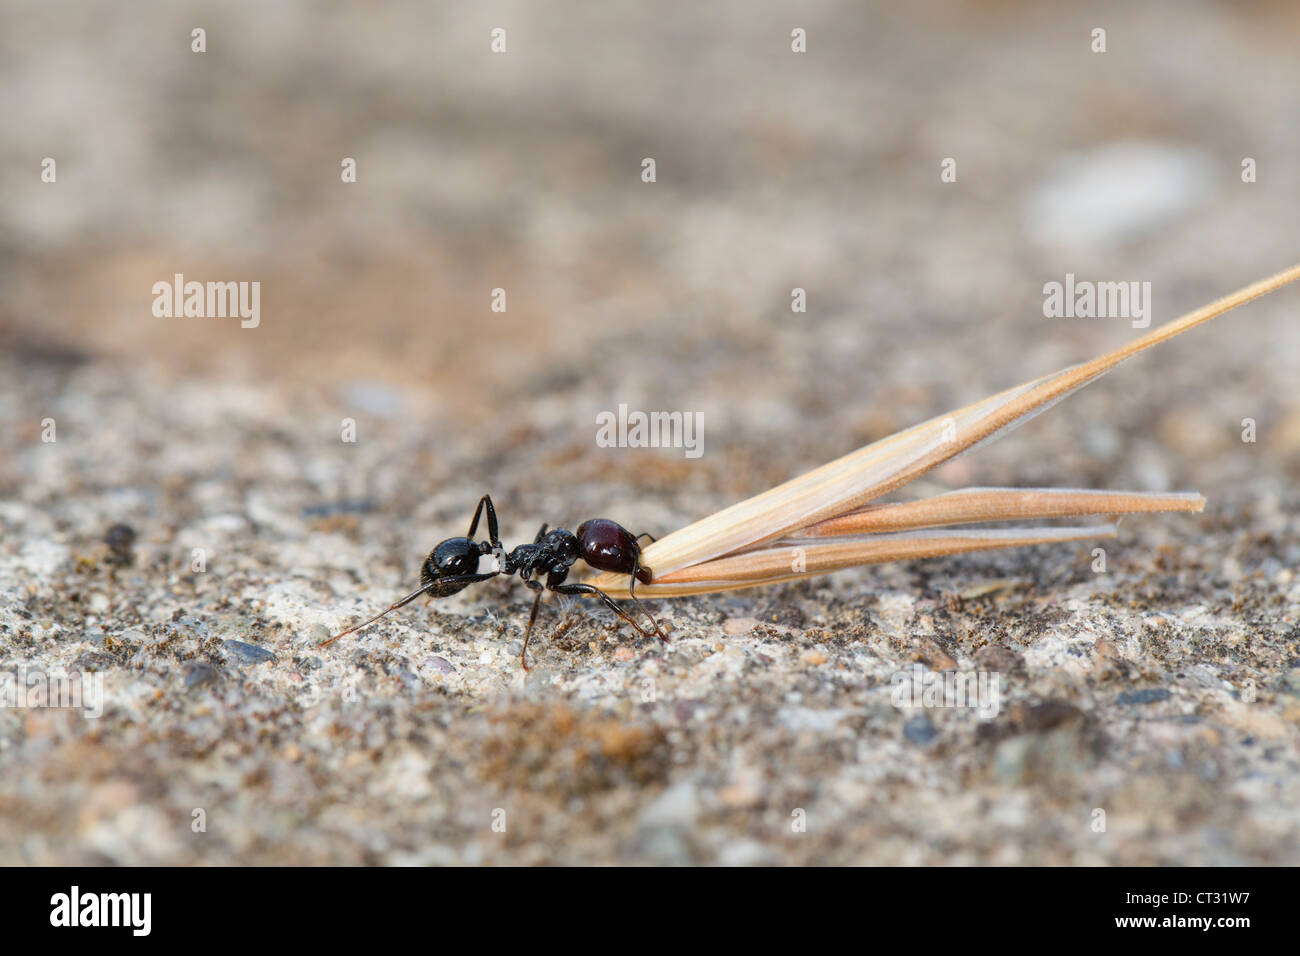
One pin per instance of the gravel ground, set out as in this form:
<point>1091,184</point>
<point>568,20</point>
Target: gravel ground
<point>1147,714</point>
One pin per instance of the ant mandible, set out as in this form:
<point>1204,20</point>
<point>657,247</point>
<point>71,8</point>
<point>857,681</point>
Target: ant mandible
<point>603,544</point>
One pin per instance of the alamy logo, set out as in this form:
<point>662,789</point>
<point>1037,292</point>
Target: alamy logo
<point>1084,299</point>
<point>980,691</point>
<point>39,688</point>
<point>210,300</point>
<point>103,909</point>
<point>636,429</point>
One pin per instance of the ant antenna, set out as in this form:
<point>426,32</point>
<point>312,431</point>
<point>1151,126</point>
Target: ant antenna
<point>406,600</point>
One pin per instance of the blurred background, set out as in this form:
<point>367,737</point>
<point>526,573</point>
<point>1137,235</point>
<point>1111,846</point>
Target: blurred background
<point>522,171</point>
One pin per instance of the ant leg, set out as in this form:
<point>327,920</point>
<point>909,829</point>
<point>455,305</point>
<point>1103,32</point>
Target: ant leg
<point>493,538</point>
<point>646,534</point>
<point>609,603</point>
<point>631,593</point>
<point>538,539</point>
<point>528,632</point>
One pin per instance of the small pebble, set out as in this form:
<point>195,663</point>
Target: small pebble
<point>200,674</point>
<point>315,635</point>
<point>120,539</point>
<point>999,658</point>
<point>1149,696</point>
<point>248,653</point>
<point>441,665</point>
<point>919,730</point>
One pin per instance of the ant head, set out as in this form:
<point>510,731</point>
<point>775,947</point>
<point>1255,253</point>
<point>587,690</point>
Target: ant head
<point>455,557</point>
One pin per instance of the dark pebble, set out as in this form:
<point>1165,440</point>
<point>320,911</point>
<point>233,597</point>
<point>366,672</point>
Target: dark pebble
<point>248,653</point>
<point>999,659</point>
<point>1032,719</point>
<point>919,730</point>
<point>120,538</point>
<point>1149,696</point>
<point>200,674</point>
<point>1048,715</point>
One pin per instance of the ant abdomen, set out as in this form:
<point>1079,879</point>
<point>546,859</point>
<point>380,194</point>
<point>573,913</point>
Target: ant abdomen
<point>608,546</point>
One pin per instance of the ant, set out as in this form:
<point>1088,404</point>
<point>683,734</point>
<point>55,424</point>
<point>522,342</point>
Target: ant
<point>603,544</point>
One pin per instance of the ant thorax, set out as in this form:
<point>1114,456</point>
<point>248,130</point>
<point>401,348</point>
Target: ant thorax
<point>556,550</point>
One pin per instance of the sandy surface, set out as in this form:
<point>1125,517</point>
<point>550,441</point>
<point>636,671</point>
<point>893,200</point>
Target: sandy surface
<point>1148,714</point>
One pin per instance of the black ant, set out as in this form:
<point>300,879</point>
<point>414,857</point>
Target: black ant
<point>603,544</point>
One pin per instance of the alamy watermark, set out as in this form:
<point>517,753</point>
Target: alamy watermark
<point>39,688</point>
<point>636,429</point>
<point>1084,299</point>
<point>208,300</point>
<point>75,908</point>
<point>980,691</point>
